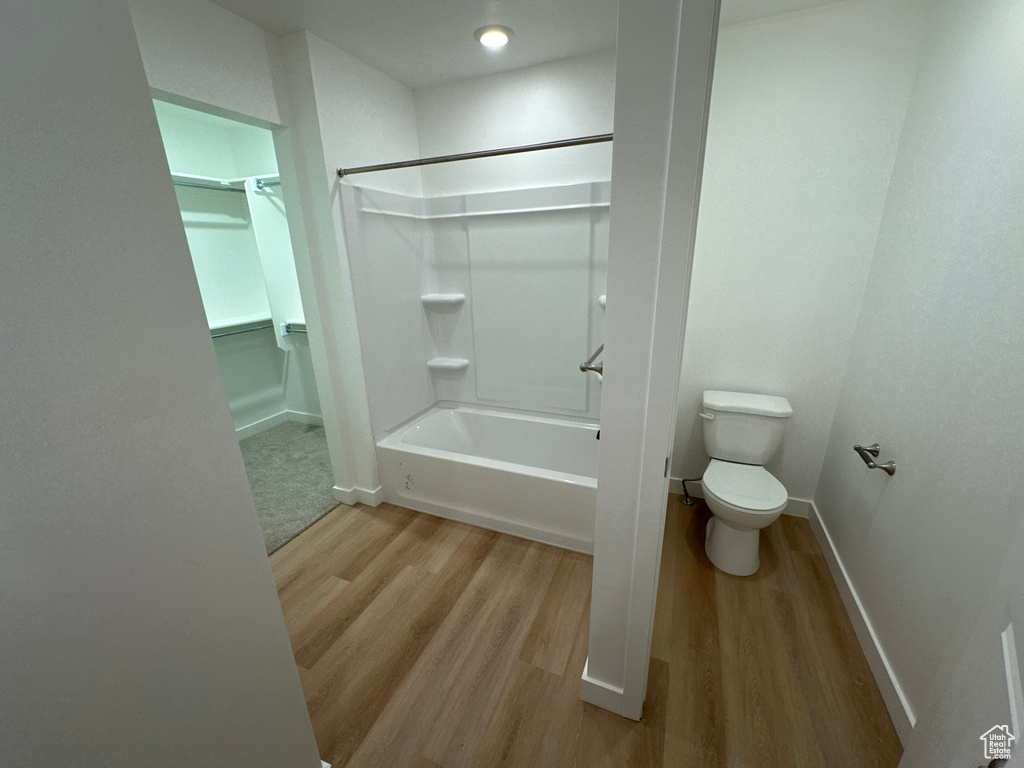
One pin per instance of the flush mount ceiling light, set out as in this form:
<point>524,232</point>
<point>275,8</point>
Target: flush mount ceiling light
<point>493,36</point>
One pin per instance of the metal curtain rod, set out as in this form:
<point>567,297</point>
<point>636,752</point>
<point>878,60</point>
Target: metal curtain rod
<point>214,187</point>
<point>597,139</point>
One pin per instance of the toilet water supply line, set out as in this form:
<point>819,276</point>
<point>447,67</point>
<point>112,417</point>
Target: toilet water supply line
<point>686,496</point>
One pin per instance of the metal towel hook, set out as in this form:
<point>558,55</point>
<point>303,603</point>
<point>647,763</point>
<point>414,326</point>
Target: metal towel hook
<point>867,454</point>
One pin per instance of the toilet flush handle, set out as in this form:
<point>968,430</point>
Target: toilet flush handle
<point>708,416</point>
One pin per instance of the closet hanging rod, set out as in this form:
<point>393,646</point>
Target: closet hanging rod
<point>243,330</point>
<point>214,187</point>
<point>261,184</point>
<point>597,139</point>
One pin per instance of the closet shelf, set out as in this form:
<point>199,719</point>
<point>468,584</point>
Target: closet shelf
<point>448,364</point>
<point>439,300</point>
<point>207,182</point>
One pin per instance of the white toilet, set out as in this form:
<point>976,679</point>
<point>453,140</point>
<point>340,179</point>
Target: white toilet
<point>741,432</point>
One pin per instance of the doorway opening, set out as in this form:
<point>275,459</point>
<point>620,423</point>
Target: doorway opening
<point>228,188</point>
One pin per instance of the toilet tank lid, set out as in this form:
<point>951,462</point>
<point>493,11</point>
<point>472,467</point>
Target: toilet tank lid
<point>743,402</point>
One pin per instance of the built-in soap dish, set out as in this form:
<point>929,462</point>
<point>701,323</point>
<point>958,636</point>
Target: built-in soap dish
<point>442,300</point>
<point>448,364</point>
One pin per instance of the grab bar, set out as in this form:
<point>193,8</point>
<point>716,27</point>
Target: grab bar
<point>869,453</point>
<point>589,366</point>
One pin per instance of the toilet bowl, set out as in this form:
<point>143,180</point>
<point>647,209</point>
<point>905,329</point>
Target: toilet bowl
<point>743,498</point>
<point>741,432</point>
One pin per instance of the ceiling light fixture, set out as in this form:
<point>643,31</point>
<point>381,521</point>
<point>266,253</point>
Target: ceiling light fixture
<point>493,36</point>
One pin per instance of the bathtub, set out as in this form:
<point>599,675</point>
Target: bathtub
<point>531,476</point>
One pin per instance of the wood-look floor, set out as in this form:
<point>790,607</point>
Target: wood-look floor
<point>423,642</point>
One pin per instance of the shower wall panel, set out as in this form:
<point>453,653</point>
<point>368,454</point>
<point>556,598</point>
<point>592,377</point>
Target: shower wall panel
<point>530,276</point>
<point>487,299</point>
<point>385,250</point>
<point>537,265</point>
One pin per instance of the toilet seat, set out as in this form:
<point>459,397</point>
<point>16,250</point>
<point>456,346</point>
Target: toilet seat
<point>744,487</point>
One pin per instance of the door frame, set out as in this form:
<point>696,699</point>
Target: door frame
<point>665,62</point>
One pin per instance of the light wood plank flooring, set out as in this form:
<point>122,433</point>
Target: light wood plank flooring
<point>423,642</point>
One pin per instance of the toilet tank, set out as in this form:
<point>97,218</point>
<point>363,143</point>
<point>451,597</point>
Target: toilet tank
<point>743,427</point>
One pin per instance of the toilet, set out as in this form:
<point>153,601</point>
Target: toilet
<point>741,432</point>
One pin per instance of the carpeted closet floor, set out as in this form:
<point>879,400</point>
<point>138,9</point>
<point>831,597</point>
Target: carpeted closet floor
<point>290,476</point>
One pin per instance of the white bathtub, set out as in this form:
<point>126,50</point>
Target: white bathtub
<point>531,476</point>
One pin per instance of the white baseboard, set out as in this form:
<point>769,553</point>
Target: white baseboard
<point>278,418</point>
<point>892,693</point>
<point>798,508</point>
<point>353,496</point>
<point>262,425</point>
<point>795,507</point>
<point>600,693</point>
<point>305,418</point>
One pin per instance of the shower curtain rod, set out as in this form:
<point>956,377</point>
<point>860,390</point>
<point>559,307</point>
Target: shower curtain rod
<point>342,172</point>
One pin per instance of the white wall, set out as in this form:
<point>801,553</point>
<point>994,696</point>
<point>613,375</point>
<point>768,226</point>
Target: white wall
<point>935,370</point>
<point>365,117</point>
<point>253,151</point>
<point>197,143</point>
<point>806,111</point>
<point>141,623</point>
<point>197,51</point>
<point>560,100</point>
<point>223,248</point>
<point>326,278</point>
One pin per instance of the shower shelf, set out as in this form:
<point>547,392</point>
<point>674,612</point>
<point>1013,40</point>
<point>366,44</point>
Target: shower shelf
<point>442,300</point>
<point>448,364</point>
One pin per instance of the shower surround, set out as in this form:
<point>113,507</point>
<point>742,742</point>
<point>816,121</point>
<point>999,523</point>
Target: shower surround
<point>486,303</point>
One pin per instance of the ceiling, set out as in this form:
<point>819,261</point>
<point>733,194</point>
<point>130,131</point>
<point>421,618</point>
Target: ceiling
<point>426,42</point>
